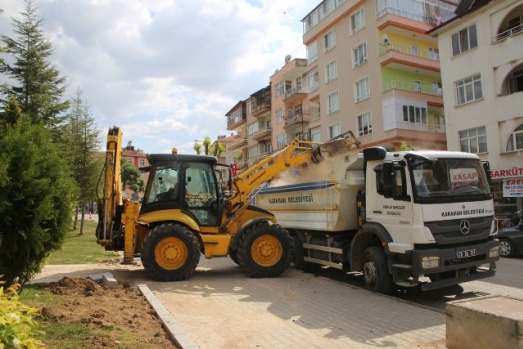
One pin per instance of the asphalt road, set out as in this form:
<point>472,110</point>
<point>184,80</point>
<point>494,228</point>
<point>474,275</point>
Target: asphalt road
<point>508,281</point>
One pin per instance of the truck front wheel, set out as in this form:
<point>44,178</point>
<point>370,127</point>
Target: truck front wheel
<point>375,272</point>
<point>170,252</point>
<point>264,250</point>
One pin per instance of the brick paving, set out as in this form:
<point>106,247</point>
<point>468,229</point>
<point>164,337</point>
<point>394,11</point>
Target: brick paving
<point>221,307</point>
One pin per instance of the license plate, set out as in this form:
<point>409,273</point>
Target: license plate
<point>465,254</point>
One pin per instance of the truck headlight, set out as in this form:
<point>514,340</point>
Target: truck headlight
<point>493,252</point>
<point>430,262</point>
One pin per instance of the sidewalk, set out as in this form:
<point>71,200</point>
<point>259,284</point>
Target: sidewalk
<point>221,307</point>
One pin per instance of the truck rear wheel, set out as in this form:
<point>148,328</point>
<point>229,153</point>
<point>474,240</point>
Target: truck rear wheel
<point>170,252</point>
<point>375,272</point>
<point>265,250</point>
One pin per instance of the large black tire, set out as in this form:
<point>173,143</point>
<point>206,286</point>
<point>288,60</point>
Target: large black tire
<point>375,271</point>
<point>170,252</point>
<point>233,255</point>
<point>506,248</point>
<point>297,256</point>
<point>264,250</point>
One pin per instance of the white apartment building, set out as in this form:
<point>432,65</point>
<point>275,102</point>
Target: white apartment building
<point>481,56</point>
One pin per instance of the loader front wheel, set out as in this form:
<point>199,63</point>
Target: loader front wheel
<point>265,250</point>
<point>170,252</point>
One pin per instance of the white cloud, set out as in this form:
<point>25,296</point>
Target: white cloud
<point>167,71</point>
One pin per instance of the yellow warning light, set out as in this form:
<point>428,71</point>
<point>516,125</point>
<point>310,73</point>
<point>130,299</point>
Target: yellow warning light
<point>175,150</point>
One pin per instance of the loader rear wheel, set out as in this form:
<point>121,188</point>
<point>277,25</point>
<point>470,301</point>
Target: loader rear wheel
<point>170,252</point>
<point>375,271</point>
<point>265,250</point>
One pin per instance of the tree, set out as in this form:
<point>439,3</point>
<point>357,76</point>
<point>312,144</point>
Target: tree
<point>215,148</point>
<point>12,112</point>
<point>38,88</point>
<point>35,199</point>
<point>131,177</point>
<point>81,144</point>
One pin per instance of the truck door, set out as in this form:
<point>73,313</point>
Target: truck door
<point>389,204</point>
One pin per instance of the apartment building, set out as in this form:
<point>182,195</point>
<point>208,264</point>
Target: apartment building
<point>291,110</point>
<point>372,69</point>
<point>251,121</point>
<point>481,53</point>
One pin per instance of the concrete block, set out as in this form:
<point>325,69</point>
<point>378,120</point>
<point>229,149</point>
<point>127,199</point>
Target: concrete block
<point>99,277</point>
<point>485,323</point>
<point>109,281</point>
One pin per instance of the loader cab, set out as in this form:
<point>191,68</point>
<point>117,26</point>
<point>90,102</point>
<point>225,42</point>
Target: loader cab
<point>188,183</point>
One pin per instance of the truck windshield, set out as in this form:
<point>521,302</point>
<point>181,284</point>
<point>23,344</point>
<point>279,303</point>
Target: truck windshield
<point>446,180</point>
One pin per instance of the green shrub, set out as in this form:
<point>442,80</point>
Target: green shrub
<point>17,324</point>
<point>35,200</point>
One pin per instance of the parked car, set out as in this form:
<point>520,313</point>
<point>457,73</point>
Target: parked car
<point>511,241</point>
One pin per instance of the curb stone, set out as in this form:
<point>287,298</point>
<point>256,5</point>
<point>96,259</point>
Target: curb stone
<point>176,332</point>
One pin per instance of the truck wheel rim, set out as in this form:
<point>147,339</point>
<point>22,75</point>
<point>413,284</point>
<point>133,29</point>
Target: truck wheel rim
<point>504,248</point>
<point>170,253</point>
<point>370,273</point>
<point>266,250</point>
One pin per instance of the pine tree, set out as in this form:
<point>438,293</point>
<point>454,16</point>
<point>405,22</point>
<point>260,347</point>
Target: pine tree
<point>81,146</point>
<point>38,87</point>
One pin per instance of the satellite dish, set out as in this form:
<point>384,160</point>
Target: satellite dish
<point>287,59</point>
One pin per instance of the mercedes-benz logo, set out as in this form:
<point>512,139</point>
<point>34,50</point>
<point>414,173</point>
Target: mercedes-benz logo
<point>464,227</point>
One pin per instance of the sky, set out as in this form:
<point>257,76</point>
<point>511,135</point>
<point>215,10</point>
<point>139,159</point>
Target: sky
<point>166,71</point>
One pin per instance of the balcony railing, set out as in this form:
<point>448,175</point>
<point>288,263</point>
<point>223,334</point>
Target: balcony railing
<point>408,50</point>
<point>296,119</point>
<point>313,117</point>
<point>293,91</point>
<point>238,144</point>
<point>410,86</point>
<point>509,32</point>
<point>434,14</point>
<point>260,108</point>
<point>262,134</point>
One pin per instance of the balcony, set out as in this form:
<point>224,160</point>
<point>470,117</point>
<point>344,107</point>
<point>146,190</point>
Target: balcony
<point>262,134</point>
<point>408,58</point>
<point>502,35</point>
<point>241,165</point>
<point>242,142</point>
<point>294,95</point>
<point>296,119</point>
<point>234,123</point>
<point>433,96</point>
<point>314,117</point>
<point>260,109</point>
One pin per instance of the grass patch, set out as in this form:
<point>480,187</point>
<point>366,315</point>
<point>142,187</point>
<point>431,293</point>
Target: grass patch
<point>81,249</point>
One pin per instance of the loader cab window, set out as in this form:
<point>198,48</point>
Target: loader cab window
<point>165,185</point>
<point>201,193</point>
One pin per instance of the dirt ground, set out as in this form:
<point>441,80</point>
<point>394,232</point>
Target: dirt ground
<point>119,311</point>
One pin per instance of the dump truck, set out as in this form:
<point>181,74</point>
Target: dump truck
<point>400,218</point>
<point>192,205</point>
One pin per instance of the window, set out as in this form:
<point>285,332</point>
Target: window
<point>364,124</point>
<point>142,162</point>
<point>414,114</point>
<point>313,79</point>
<point>469,89</point>
<point>281,141</point>
<point>417,86</point>
<point>331,71</point>
<point>515,82</point>
<point>473,140</point>
<point>334,130</point>
<point>436,88</point>
<point>414,50</point>
<point>360,54</point>
<point>312,52</point>
<point>330,40</point>
<point>316,134</point>
<point>279,116</point>
<point>333,103</point>
<point>434,53</point>
<point>362,89</point>
<point>515,140</point>
<point>357,21</point>
<point>280,89</point>
<point>464,40</point>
